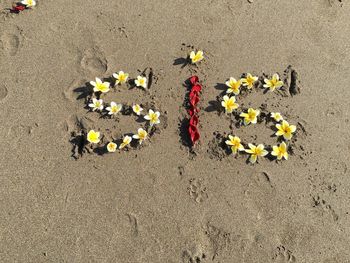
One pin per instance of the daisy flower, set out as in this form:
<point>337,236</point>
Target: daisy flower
<point>196,57</point>
<point>126,141</point>
<point>28,3</point>
<point>235,143</point>
<point>256,151</point>
<point>229,103</point>
<point>249,81</point>
<point>141,82</point>
<point>96,104</point>
<point>114,108</point>
<point>93,137</point>
<point>273,83</point>
<point>100,86</point>
<point>120,77</point>
<point>276,116</point>
<point>153,117</point>
<point>285,130</point>
<point>233,86</point>
<point>137,109</point>
<point>141,135</point>
<point>111,147</point>
<point>251,116</point>
<point>280,151</point>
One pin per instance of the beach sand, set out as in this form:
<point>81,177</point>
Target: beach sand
<point>165,201</point>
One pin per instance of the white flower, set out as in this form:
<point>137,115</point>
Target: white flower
<point>114,108</point>
<point>276,116</point>
<point>96,104</point>
<point>28,3</point>
<point>111,147</point>
<point>137,109</point>
<point>126,141</point>
<point>153,117</point>
<point>100,86</point>
<point>120,77</point>
<point>141,135</point>
<point>141,82</point>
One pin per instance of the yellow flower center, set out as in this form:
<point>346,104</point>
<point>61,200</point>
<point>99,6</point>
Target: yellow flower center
<point>251,115</point>
<point>153,118</point>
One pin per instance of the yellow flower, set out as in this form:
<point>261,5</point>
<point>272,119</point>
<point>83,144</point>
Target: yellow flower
<point>233,85</point>
<point>276,116</point>
<point>120,77</point>
<point>96,104</point>
<point>114,108</point>
<point>141,135</point>
<point>280,151</point>
<point>153,117</point>
<point>141,82</point>
<point>285,130</point>
<point>250,116</point>
<point>111,147</point>
<point>229,104</point>
<point>256,151</point>
<point>126,141</point>
<point>235,143</point>
<point>249,81</point>
<point>28,3</point>
<point>100,86</point>
<point>274,83</point>
<point>93,137</point>
<point>137,109</point>
<point>196,57</point>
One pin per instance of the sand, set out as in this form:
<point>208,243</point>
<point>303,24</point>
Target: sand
<point>166,202</point>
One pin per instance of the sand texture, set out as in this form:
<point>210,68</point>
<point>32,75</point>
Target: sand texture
<point>63,201</point>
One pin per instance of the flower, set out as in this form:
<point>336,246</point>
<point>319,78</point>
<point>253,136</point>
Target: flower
<point>280,151</point>
<point>250,116</point>
<point>196,57</point>
<point>114,108</point>
<point>235,143</point>
<point>153,117</point>
<point>28,3</point>
<point>276,116</point>
<point>249,81</point>
<point>126,141</point>
<point>96,104</point>
<point>137,109</point>
<point>229,103</point>
<point>256,151</point>
<point>141,135</point>
<point>141,82</point>
<point>93,137</point>
<point>274,83</point>
<point>111,147</point>
<point>120,77</point>
<point>285,130</point>
<point>100,86</point>
<point>233,85</point>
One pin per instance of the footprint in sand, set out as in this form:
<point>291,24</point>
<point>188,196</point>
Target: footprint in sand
<point>10,42</point>
<point>94,61</point>
<point>284,255</point>
<point>3,92</point>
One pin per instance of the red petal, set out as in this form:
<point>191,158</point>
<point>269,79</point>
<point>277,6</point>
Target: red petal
<point>194,100</point>
<point>194,80</point>
<point>197,88</point>
<point>194,120</point>
<point>194,134</point>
